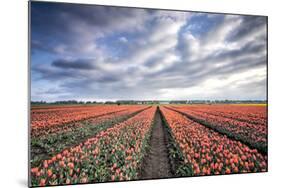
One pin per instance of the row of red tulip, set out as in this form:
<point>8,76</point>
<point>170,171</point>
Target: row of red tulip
<point>208,152</point>
<point>57,116</point>
<point>252,133</point>
<point>114,154</point>
<point>41,131</point>
<point>251,114</point>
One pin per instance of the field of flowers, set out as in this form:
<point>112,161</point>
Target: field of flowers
<point>66,119</point>
<point>100,143</point>
<point>207,152</point>
<point>47,141</point>
<point>113,154</point>
<point>42,117</point>
<point>244,123</point>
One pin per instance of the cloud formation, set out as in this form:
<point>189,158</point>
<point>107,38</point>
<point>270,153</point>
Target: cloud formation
<point>102,53</point>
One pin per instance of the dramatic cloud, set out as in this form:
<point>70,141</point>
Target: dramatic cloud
<point>89,52</point>
<point>77,64</point>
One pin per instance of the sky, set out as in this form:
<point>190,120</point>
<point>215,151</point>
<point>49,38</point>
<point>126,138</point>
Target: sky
<point>99,53</point>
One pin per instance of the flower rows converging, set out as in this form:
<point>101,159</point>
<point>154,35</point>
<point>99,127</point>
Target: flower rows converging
<point>207,152</point>
<point>100,143</point>
<point>72,124</point>
<point>232,124</point>
<point>247,113</point>
<point>62,115</point>
<point>113,154</point>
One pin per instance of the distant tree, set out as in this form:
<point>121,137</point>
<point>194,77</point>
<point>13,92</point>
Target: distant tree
<point>38,102</point>
<point>109,102</point>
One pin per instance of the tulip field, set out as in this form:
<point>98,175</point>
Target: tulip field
<point>73,144</point>
<point>208,152</point>
<point>247,124</point>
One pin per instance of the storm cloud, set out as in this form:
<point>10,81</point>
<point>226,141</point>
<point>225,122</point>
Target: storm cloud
<point>77,64</point>
<point>87,52</point>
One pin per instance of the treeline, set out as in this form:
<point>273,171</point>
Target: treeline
<point>226,101</point>
<point>65,102</point>
<point>153,102</point>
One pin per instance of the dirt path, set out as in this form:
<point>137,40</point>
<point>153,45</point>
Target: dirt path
<point>156,163</point>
